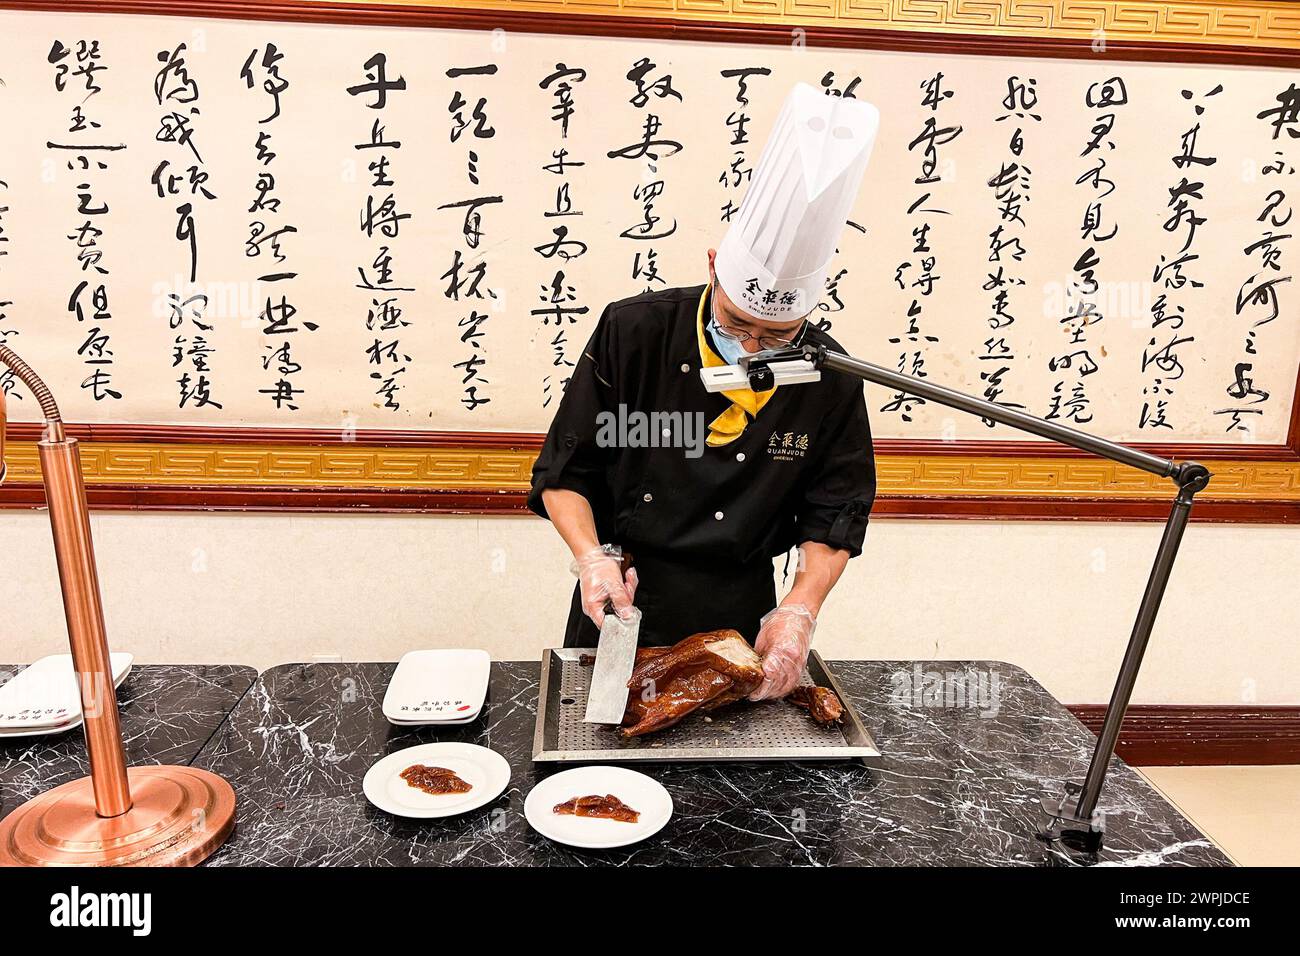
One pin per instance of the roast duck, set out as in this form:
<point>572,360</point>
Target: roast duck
<point>702,673</point>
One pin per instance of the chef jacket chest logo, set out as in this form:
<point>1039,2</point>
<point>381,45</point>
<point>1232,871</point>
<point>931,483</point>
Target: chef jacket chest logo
<point>787,446</point>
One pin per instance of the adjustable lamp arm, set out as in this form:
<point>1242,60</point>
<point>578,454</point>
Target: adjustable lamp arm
<point>1079,805</point>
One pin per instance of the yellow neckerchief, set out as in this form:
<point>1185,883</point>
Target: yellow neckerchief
<point>745,402</point>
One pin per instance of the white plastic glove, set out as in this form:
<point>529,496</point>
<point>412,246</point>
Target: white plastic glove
<point>601,578</point>
<point>784,636</point>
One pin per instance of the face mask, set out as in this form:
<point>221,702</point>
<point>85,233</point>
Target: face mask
<point>730,348</point>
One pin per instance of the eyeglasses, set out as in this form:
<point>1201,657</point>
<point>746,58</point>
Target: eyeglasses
<point>767,341</point>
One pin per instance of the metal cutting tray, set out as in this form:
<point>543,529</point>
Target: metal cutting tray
<point>770,731</point>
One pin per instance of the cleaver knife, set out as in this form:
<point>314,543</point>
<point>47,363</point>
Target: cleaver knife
<point>615,657</point>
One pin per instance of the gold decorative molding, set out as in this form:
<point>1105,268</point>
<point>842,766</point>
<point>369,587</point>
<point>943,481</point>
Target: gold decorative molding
<point>507,470</point>
<point>1266,23</point>
<point>288,466</point>
<point>926,475</point>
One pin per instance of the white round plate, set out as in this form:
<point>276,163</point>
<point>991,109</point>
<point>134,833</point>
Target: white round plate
<point>486,771</point>
<point>643,794</point>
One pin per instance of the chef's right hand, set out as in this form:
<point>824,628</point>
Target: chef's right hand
<point>601,578</point>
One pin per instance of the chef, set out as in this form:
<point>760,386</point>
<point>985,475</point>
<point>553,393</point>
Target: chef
<point>683,522</point>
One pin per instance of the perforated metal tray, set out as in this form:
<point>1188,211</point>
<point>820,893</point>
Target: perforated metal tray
<point>769,731</point>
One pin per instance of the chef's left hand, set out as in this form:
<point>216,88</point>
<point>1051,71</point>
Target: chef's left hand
<point>784,637</point>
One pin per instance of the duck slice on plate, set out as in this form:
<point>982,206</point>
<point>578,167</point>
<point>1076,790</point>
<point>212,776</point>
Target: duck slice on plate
<point>435,780</point>
<point>608,807</point>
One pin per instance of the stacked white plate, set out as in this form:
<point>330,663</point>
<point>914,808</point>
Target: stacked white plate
<point>437,688</point>
<point>45,698</point>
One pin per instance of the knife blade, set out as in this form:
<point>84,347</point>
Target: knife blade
<point>615,658</point>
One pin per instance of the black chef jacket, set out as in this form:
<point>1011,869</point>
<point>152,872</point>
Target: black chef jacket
<point>704,528</point>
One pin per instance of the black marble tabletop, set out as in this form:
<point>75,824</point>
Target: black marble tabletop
<point>960,781</point>
<point>168,713</point>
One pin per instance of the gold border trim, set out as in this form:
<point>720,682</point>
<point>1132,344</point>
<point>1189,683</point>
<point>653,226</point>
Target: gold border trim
<point>1261,23</point>
<point>962,476</point>
<point>288,466</point>
<point>371,468</point>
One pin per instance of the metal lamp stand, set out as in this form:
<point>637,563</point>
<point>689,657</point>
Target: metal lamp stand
<point>145,816</point>
<point>1073,817</point>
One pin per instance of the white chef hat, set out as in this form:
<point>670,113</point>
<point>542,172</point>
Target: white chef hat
<point>775,255</point>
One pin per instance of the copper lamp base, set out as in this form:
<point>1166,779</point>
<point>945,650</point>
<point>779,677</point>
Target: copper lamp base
<point>179,817</point>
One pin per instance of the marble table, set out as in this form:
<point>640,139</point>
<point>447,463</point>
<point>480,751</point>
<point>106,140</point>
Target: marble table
<point>168,713</point>
<point>959,783</point>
